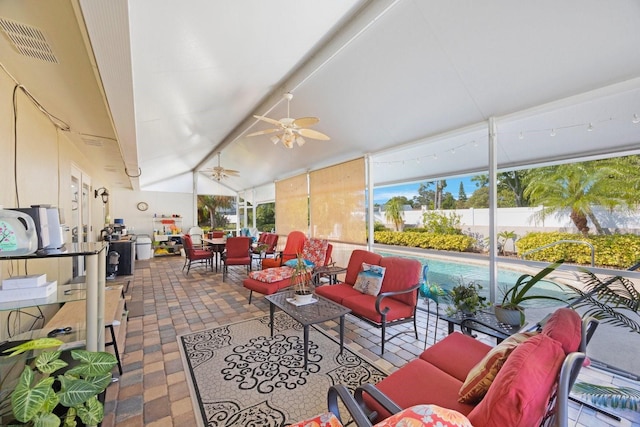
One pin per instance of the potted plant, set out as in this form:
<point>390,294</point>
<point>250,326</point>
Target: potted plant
<point>510,311</point>
<point>300,280</point>
<point>42,399</point>
<point>466,299</point>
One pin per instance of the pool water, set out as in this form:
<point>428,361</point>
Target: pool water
<point>448,273</point>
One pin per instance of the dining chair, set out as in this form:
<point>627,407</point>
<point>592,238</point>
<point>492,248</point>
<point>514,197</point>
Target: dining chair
<point>195,255</point>
<point>196,234</point>
<point>237,252</point>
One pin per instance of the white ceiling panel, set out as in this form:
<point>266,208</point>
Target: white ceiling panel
<point>402,80</point>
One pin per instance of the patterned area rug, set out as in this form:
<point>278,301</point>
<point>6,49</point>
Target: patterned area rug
<point>241,376</point>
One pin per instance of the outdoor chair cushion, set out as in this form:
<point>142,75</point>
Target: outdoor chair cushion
<point>358,256</point>
<point>271,275</point>
<point>460,365</point>
<point>315,250</point>
<point>565,326</point>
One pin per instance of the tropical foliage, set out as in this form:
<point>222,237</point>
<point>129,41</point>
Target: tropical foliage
<point>209,208</point>
<point>441,223</point>
<point>38,393</point>
<point>578,187</point>
<point>393,213</point>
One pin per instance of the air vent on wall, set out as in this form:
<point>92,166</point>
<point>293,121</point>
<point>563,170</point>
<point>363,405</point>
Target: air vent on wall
<point>29,41</point>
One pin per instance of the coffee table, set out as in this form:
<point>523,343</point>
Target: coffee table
<point>307,315</point>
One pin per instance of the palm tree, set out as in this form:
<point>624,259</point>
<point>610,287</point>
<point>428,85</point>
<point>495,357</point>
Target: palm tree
<point>581,186</point>
<point>393,212</point>
<point>209,205</point>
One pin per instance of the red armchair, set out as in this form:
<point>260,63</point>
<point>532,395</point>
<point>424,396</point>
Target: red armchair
<point>294,245</point>
<point>195,255</point>
<point>237,252</point>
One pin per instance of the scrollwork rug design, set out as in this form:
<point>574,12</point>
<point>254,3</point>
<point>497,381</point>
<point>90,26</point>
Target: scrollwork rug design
<point>239,375</point>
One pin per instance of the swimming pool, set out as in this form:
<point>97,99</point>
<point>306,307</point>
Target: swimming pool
<point>449,273</point>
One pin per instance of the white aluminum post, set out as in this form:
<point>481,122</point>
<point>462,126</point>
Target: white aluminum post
<point>493,206</point>
<point>369,177</point>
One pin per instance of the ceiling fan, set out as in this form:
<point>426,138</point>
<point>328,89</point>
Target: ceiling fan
<point>219,173</point>
<point>291,129</point>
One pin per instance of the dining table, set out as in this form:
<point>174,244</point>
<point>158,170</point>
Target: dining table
<point>217,245</point>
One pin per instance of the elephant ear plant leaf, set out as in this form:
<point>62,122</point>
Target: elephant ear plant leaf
<point>38,392</point>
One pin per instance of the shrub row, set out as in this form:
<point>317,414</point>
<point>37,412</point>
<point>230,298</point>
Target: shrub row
<point>443,242</point>
<point>620,251</point>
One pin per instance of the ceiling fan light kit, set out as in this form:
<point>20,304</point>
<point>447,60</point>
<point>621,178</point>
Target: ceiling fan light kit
<point>291,130</point>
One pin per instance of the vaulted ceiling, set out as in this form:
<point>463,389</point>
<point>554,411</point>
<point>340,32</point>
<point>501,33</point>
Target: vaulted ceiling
<point>159,87</point>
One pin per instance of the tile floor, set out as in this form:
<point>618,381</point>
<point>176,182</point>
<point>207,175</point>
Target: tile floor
<point>165,303</point>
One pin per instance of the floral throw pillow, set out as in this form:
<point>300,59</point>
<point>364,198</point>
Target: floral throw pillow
<point>369,279</point>
<point>426,415</point>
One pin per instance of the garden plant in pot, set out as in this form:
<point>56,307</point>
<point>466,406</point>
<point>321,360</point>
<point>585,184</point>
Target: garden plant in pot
<point>466,299</point>
<point>301,280</point>
<point>510,311</point>
<point>42,399</point>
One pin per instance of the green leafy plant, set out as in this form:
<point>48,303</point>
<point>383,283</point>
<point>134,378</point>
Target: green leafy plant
<point>301,277</point>
<point>514,296</point>
<point>439,223</point>
<point>38,393</point>
<point>503,238</point>
<point>466,298</point>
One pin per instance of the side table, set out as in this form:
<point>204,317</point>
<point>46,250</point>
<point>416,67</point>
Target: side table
<point>329,271</point>
<point>483,321</point>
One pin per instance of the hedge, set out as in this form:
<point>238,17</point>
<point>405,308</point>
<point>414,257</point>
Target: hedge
<point>443,242</point>
<point>619,251</point>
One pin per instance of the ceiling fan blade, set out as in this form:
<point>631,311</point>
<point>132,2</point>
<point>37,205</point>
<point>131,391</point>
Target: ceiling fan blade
<point>300,140</point>
<point>313,134</point>
<point>268,120</point>
<point>305,122</point>
<point>232,172</point>
<point>264,132</point>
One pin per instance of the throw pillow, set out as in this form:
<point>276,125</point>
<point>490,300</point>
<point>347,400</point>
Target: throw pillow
<point>369,279</point>
<point>424,416</point>
<point>523,386</point>
<point>315,250</point>
<point>481,376</point>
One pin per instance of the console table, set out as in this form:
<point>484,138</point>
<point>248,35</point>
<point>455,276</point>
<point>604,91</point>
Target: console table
<point>95,261</point>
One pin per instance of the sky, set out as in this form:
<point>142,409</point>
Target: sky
<point>382,195</point>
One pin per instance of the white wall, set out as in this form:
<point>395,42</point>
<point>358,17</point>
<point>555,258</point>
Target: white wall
<point>124,203</point>
<point>525,219</point>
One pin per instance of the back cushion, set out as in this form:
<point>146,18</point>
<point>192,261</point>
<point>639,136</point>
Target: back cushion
<point>520,392</point>
<point>358,256</point>
<point>565,326</point>
<point>401,274</point>
<point>314,250</point>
